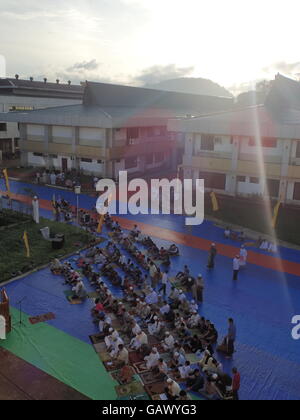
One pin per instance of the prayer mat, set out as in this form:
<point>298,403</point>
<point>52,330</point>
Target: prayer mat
<point>152,341</point>
<point>166,357</point>
<point>141,367</point>
<point>41,318</point>
<point>100,347</point>
<point>192,357</point>
<point>157,388</point>
<point>69,295</point>
<point>97,338</point>
<point>135,388</point>
<point>104,357</point>
<point>116,325</point>
<point>117,376</point>
<point>135,357</point>
<point>140,397</point>
<point>92,295</point>
<point>148,378</point>
<point>110,366</point>
<point>159,397</point>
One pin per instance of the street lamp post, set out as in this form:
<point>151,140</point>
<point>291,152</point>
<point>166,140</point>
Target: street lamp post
<point>77,192</point>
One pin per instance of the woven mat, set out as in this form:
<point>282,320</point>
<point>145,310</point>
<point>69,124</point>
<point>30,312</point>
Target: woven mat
<point>141,367</point>
<point>148,378</point>
<point>135,357</point>
<point>117,375</point>
<point>157,388</point>
<point>100,347</point>
<point>110,366</point>
<point>41,318</point>
<point>97,338</point>
<point>132,389</point>
<point>104,357</point>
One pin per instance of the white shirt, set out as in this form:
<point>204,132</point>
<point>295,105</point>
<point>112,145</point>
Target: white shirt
<point>136,329</point>
<point>236,264</point>
<point>170,341</point>
<point>165,309</point>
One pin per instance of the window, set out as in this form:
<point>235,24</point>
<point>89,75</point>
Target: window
<point>298,150</point>
<point>53,156</point>
<point>273,187</point>
<point>269,142</point>
<point>207,142</point>
<point>131,163</point>
<point>266,142</point>
<point>132,133</point>
<point>3,127</point>
<point>241,179</point>
<point>21,108</point>
<point>213,180</point>
<point>38,154</point>
<point>86,160</point>
<point>297,191</point>
<point>100,162</point>
<point>254,180</point>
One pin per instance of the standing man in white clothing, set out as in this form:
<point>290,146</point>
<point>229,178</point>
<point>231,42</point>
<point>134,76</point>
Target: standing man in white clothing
<point>236,267</point>
<point>243,256</point>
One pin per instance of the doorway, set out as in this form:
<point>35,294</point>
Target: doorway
<point>64,165</point>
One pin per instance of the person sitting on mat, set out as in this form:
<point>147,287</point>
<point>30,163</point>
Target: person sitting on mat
<point>122,356</point>
<point>56,267</point>
<point>152,359</point>
<point>79,291</point>
<point>169,341</point>
<point>161,371</point>
<point>173,250</point>
<point>172,390</point>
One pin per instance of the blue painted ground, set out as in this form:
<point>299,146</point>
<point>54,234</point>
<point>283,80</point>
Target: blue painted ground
<point>262,303</point>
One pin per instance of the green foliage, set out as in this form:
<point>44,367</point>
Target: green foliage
<point>12,250</point>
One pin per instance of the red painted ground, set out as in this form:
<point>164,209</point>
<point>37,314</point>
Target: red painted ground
<point>266,261</point>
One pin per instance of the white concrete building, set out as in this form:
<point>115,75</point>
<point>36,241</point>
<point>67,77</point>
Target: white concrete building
<point>24,95</point>
<point>250,151</point>
<point>115,128</point>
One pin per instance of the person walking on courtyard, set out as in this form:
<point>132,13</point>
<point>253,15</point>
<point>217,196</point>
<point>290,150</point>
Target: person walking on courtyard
<point>212,256</point>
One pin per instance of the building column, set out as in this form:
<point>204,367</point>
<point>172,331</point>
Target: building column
<point>285,162</point>
<point>75,143</point>
<point>234,166</point>
<point>47,140</point>
<point>23,137</point>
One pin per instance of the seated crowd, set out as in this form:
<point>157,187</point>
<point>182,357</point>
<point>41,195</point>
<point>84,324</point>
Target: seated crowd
<point>152,310</point>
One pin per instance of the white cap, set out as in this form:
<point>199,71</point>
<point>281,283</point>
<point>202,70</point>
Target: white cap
<point>170,381</point>
<point>154,350</point>
<point>176,354</point>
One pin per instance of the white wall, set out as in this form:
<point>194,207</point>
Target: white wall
<point>251,188</point>
<point>94,167</point>
<point>36,160</point>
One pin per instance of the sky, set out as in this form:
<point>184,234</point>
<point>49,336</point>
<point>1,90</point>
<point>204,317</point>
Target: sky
<point>138,42</point>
